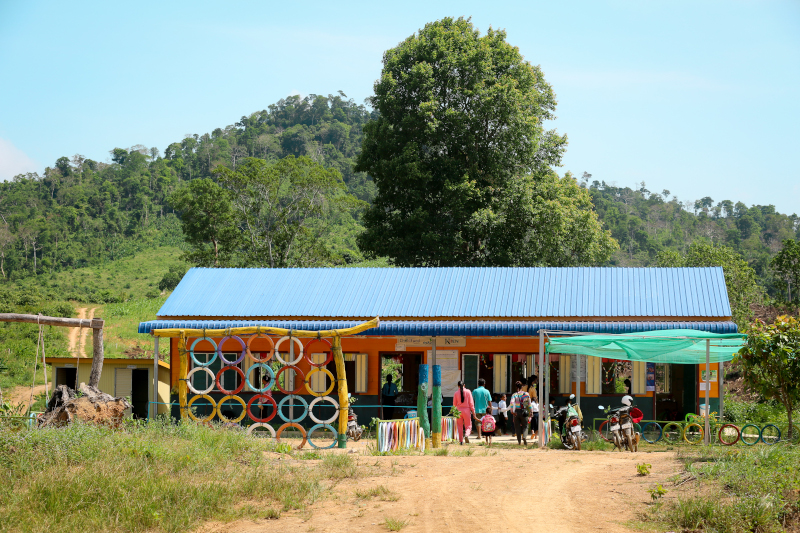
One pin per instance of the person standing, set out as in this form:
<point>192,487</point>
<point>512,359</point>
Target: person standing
<point>534,417</point>
<point>502,414</point>
<point>521,407</point>
<point>464,403</point>
<point>388,397</point>
<point>482,400</point>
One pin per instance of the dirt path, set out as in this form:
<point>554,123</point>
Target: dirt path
<point>74,334</point>
<point>500,491</point>
<point>22,394</point>
<point>83,332</point>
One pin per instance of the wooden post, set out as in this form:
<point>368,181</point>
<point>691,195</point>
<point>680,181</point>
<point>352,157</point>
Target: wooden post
<point>436,411</point>
<point>422,402</point>
<point>97,353</point>
<point>341,380</point>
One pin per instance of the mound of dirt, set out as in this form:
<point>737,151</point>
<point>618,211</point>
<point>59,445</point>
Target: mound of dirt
<point>89,405</point>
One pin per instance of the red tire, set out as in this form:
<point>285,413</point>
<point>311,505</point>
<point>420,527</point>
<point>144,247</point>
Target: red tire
<point>726,439</point>
<point>329,351</point>
<point>604,433</point>
<point>238,389</point>
<point>299,389</point>
<point>254,417</point>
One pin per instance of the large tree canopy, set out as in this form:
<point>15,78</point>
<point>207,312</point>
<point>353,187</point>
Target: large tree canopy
<point>461,122</point>
<point>786,266</point>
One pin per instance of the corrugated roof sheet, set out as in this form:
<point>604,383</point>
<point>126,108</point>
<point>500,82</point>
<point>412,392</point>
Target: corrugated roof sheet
<point>441,328</point>
<point>450,292</point>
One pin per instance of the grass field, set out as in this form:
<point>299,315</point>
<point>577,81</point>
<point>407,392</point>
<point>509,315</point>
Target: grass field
<point>134,277</point>
<point>121,337</point>
<point>152,477</point>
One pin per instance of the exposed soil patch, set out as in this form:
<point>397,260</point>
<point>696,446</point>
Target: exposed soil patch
<point>499,490</point>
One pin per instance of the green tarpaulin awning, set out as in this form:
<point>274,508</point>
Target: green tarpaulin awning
<point>683,346</point>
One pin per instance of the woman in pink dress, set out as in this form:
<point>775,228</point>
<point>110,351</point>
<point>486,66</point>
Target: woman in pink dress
<point>463,402</point>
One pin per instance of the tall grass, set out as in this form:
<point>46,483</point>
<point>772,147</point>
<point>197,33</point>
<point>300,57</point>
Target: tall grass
<point>756,491</point>
<point>158,476</point>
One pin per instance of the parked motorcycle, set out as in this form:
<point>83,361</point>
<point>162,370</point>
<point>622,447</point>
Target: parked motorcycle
<point>572,435</point>
<point>354,431</point>
<point>620,424</point>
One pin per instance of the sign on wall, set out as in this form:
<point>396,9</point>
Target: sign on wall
<point>448,360</point>
<point>441,342</point>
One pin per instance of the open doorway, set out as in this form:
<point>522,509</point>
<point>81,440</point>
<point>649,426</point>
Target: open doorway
<point>139,385</point>
<point>66,376</point>
<point>404,369</point>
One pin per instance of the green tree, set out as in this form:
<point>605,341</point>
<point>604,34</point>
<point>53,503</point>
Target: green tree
<point>172,278</point>
<point>208,223</point>
<point>281,208</point>
<point>770,361</point>
<point>786,266</point>
<point>460,121</point>
<point>740,279</point>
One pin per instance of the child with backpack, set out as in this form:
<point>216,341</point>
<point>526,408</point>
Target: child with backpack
<point>488,427</point>
<point>520,406</point>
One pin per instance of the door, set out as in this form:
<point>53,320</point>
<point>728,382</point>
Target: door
<point>66,376</point>
<point>139,385</point>
<point>469,370</point>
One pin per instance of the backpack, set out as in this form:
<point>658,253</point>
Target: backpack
<point>524,402</point>
<point>487,424</point>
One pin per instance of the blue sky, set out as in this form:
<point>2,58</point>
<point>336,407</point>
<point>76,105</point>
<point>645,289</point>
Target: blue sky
<point>700,98</point>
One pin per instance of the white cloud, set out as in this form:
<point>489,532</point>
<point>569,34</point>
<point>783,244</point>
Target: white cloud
<point>13,161</point>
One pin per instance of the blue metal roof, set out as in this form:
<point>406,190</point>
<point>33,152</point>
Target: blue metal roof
<point>449,292</point>
<point>441,328</point>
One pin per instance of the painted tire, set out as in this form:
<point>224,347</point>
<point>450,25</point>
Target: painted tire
<point>270,372</point>
<point>252,429</point>
<point>254,417</point>
<point>204,397</point>
<point>308,384</point>
<point>278,354</point>
<point>191,351</point>
<point>728,435</point>
<point>773,434</point>
<point>672,432</point>
<point>693,433</point>
<point>320,399</point>
<point>328,359</point>
<point>652,432</point>
<point>235,398</point>
<point>295,397</point>
<point>604,433</point>
<point>250,354</point>
<point>297,427</point>
<point>750,437</point>
<point>238,389</point>
<point>241,355</point>
<point>319,426</point>
<point>297,371</point>
<point>201,369</point>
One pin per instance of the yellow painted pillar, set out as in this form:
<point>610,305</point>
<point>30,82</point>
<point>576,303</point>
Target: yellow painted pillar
<point>341,380</point>
<point>183,371</point>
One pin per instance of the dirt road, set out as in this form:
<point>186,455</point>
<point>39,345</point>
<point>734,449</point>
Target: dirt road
<point>78,336</point>
<point>493,490</point>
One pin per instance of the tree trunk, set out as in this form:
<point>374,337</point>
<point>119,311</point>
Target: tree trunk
<point>97,356</point>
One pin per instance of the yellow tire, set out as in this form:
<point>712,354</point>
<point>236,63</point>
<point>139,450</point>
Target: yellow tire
<point>308,381</point>
<point>693,433</point>
<point>235,398</point>
<point>213,408</point>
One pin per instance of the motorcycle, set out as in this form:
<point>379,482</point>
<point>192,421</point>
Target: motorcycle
<point>572,435</point>
<point>620,424</point>
<point>354,431</point>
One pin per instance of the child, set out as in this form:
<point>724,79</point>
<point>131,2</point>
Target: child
<point>487,427</point>
<point>502,415</point>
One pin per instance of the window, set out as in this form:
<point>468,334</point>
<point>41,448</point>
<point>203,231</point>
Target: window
<point>319,380</point>
<point>616,376</point>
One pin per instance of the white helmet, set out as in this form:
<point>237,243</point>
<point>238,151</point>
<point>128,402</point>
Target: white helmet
<point>627,400</point>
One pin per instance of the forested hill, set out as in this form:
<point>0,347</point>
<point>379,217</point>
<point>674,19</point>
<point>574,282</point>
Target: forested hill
<point>645,223</point>
<point>81,212</point>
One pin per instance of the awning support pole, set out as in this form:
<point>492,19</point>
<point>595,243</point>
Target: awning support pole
<point>541,388</point>
<point>154,404</point>
<point>578,382</point>
<point>721,389</point>
<point>708,386</point>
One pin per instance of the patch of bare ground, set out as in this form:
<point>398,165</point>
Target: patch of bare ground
<point>499,490</point>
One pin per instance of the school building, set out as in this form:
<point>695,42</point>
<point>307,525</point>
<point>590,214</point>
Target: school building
<point>483,323</point>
